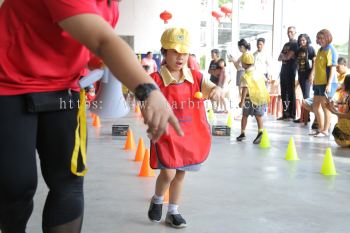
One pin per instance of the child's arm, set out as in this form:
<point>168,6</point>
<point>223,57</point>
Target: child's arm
<point>211,91</point>
<point>346,114</point>
<point>332,109</point>
<point>244,87</point>
<point>340,114</point>
<point>343,115</point>
<point>216,94</point>
<point>244,95</point>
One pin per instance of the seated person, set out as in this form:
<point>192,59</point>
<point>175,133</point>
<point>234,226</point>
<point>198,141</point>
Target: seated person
<point>341,131</point>
<point>307,105</point>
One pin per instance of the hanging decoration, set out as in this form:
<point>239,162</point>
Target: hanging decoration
<point>216,15</point>
<point>165,15</point>
<point>227,11</point>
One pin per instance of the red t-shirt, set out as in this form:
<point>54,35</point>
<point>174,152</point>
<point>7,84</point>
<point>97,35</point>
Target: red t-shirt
<point>36,55</point>
<point>192,63</point>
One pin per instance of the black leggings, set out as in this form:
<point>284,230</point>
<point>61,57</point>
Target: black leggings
<point>53,135</point>
<point>303,78</point>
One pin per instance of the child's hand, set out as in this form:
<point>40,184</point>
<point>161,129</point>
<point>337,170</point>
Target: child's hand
<point>330,106</point>
<point>216,94</point>
<point>240,104</point>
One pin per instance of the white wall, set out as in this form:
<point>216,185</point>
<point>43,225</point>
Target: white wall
<point>141,19</point>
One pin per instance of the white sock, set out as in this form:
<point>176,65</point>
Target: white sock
<point>158,199</point>
<point>172,209</point>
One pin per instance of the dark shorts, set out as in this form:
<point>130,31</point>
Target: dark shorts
<point>249,109</point>
<point>319,90</point>
<point>239,74</point>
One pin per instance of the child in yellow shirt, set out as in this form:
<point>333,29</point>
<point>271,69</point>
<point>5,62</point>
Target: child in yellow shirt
<point>254,96</point>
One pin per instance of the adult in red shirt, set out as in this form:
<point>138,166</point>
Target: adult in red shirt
<point>44,47</point>
<point>192,62</point>
<point>150,62</point>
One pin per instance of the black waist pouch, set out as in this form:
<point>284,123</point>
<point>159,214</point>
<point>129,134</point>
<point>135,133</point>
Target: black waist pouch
<point>52,101</point>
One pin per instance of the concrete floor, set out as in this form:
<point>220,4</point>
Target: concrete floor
<point>241,188</point>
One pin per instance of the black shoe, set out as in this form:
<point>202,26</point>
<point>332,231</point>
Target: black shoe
<point>288,119</point>
<point>155,212</point>
<point>175,220</point>
<point>297,121</point>
<point>240,137</point>
<point>258,138</point>
<point>281,118</point>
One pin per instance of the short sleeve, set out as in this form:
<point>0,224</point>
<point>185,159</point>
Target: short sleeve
<point>62,9</point>
<point>331,57</point>
<point>334,56</point>
<point>312,53</point>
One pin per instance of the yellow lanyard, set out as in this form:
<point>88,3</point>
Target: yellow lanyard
<point>80,138</point>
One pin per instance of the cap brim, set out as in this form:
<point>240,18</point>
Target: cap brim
<point>178,48</point>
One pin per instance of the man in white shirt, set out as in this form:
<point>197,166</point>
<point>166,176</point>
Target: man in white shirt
<point>262,60</point>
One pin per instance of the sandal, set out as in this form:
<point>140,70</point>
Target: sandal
<point>321,134</point>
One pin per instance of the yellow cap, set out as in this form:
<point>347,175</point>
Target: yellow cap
<point>176,38</point>
<point>247,58</point>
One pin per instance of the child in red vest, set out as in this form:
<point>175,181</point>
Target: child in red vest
<point>90,93</point>
<point>174,154</point>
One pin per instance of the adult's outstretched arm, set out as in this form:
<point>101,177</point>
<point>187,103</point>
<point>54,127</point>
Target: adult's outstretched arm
<point>100,38</point>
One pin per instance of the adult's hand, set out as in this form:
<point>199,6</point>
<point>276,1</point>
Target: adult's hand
<point>97,35</point>
<point>157,113</point>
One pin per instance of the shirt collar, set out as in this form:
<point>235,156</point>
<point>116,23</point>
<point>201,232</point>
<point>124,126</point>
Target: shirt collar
<point>169,79</point>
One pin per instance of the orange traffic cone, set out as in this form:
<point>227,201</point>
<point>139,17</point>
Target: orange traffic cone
<point>146,170</point>
<point>96,121</point>
<point>130,142</point>
<point>137,108</point>
<point>166,196</point>
<point>140,151</point>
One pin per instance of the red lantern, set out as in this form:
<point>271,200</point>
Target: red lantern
<point>227,11</point>
<point>216,15</point>
<point>165,16</point>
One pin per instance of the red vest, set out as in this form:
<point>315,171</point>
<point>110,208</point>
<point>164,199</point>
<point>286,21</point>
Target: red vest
<point>171,150</point>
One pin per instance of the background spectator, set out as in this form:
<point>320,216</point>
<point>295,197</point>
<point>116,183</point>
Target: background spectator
<point>150,62</point>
